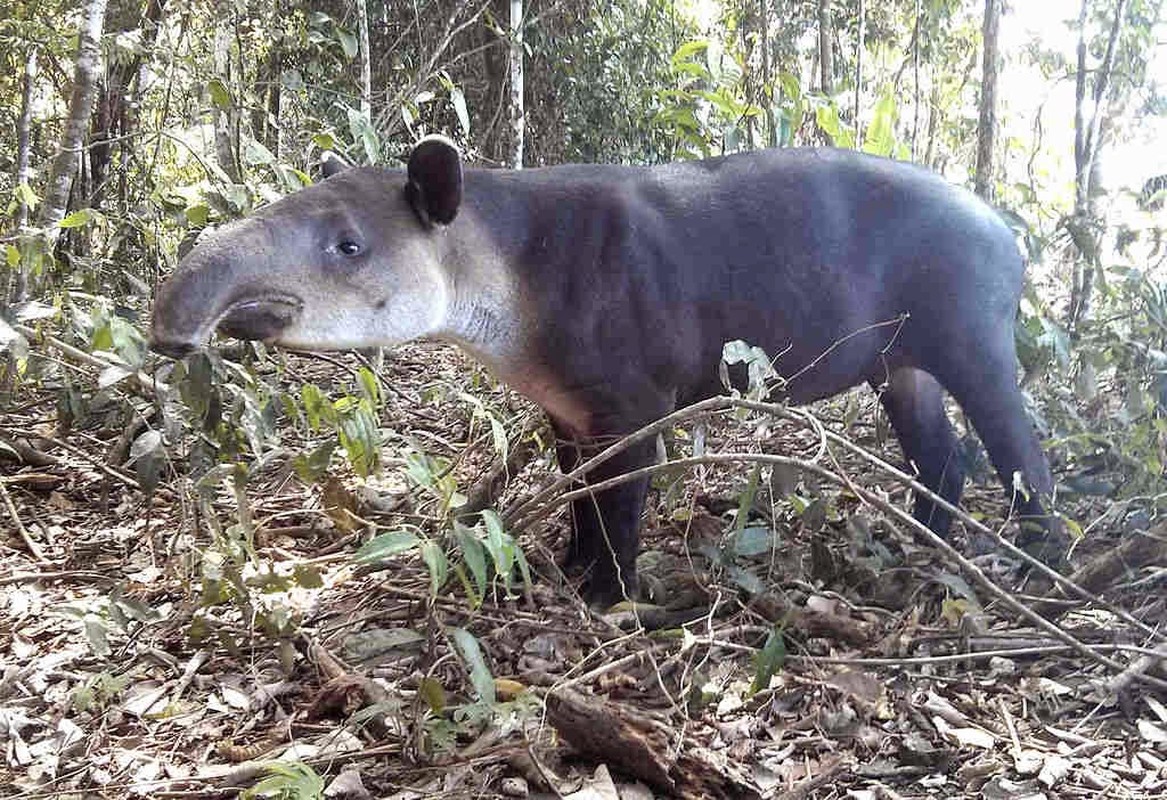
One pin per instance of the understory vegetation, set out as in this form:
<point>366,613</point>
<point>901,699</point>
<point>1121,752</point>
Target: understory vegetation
<point>265,573</point>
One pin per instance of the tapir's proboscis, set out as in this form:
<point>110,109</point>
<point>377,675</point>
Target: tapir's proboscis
<point>606,294</point>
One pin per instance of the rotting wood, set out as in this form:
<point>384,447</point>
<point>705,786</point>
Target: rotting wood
<point>644,748</point>
<point>1137,551</point>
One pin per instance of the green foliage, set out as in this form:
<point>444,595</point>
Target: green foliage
<point>769,660</point>
<point>99,691</point>
<point>287,781</point>
<point>113,615</point>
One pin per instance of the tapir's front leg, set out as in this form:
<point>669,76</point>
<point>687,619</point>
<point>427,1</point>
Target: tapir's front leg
<point>606,524</point>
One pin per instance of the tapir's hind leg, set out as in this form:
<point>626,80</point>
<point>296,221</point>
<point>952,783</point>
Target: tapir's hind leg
<point>983,381</point>
<point>914,402</point>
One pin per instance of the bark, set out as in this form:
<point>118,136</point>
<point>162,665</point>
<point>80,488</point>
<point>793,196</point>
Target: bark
<point>768,94</point>
<point>226,127</point>
<point>1083,224</point>
<point>56,200</point>
<point>24,133</point>
<point>647,748</point>
<point>916,82</point>
<point>15,287</point>
<point>859,71</point>
<point>826,48</point>
<point>986,171</point>
<point>518,119</point>
<point>366,60</point>
<point>115,116</point>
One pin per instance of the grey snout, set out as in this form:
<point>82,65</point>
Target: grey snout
<point>263,318</point>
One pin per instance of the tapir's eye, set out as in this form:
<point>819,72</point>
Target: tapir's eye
<point>347,247</point>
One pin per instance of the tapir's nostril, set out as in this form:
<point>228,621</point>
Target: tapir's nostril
<point>175,350</point>
<point>261,318</point>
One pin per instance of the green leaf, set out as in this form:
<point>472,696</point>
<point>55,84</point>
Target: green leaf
<point>348,42</point>
<point>433,694</point>
<point>325,141</point>
<point>12,255</point>
<point>745,503</point>
<point>311,466</point>
<point>769,660</point>
<point>363,132</point>
<point>499,544</point>
<point>689,49</point>
<point>471,653</point>
<point>753,541</point>
<point>254,153</point>
<point>290,781</point>
<point>370,386</point>
<point>880,135</point>
<point>198,214</point>
<point>220,96</point>
<point>437,563</point>
<point>26,195</point>
<point>387,545</point>
<point>474,554</point>
<point>77,219</point>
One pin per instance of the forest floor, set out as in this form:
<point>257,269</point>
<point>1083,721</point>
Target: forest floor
<point>811,649</point>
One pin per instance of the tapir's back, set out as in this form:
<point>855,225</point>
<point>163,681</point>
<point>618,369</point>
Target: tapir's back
<point>822,257</point>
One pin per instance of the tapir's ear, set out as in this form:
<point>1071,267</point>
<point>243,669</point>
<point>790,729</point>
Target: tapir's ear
<point>331,164</point>
<point>435,180</point>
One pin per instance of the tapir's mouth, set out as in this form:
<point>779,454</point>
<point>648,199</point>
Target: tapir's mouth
<point>260,317</point>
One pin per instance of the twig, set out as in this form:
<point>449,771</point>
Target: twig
<point>148,386</point>
<point>30,577</point>
<point>29,542</point>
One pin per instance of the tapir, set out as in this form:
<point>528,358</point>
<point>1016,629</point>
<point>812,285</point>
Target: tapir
<point>606,293</point>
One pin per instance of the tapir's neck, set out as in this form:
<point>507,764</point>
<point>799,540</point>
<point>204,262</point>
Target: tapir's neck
<point>483,312</point>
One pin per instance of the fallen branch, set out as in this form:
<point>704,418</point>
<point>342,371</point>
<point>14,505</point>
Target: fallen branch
<point>646,748</point>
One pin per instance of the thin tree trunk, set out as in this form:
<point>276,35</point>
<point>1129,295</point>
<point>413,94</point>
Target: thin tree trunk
<point>366,61</point>
<point>987,127</point>
<point>859,71</point>
<point>1083,224</point>
<point>15,288</point>
<point>518,119</point>
<point>826,48</point>
<point>56,200</point>
<point>24,135</point>
<point>768,93</point>
<point>226,131</point>
<point>916,82</point>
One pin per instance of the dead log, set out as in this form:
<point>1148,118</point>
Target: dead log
<point>645,747</point>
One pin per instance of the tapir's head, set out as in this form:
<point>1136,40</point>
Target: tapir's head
<point>357,260</point>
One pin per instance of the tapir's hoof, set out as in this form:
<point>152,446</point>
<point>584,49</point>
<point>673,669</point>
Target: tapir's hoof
<point>1047,545</point>
<point>603,593</point>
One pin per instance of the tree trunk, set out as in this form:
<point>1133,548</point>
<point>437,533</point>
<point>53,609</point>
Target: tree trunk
<point>859,72</point>
<point>987,127</point>
<point>916,82</point>
<point>518,119</point>
<point>826,48</point>
<point>265,116</point>
<point>768,92</point>
<point>366,61</point>
<point>226,127</point>
<point>56,200</point>
<point>15,288</point>
<point>1083,224</point>
<point>24,135</point>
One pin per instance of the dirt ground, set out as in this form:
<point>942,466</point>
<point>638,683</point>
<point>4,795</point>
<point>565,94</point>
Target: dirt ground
<point>800,643</point>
